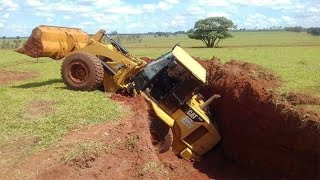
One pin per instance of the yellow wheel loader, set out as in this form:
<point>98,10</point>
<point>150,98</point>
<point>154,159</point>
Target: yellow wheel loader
<point>171,83</point>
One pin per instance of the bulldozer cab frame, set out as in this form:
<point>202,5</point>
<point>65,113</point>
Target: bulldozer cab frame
<point>167,82</point>
<point>171,84</point>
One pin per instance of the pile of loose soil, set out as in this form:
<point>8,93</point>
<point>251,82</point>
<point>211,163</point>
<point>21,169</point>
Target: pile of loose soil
<point>33,47</point>
<point>7,77</point>
<point>258,126</point>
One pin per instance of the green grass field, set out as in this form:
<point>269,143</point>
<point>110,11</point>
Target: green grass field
<point>294,57</point>
<point>42,109</point>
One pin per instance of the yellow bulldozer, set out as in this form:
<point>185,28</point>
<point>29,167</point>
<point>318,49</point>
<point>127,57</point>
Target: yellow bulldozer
<point>171,83</point>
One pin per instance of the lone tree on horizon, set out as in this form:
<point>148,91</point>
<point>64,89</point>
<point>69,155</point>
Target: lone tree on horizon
<point>211,30</point>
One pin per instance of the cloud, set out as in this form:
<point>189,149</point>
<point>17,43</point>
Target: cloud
<point>214,3</point>
<point>269,3</point>
<point>258,20</point>
<point>6,15</point>
<point>178,21</point>
<point>124,10</point>
<point>102,18</point>
<point>313,10</point>
<point>61,6</point>
<point>8,5</point>
<point>162,5</point>
<point>1,25</point>
<point>67,17</point>
<point>44,14</point>
<point>135,25</point>
<point>196,10</point>
<point>149,7</point>
<point>288,20</point>
<point>218,14</point>
<point>157,15</point>
<point>49,19</point>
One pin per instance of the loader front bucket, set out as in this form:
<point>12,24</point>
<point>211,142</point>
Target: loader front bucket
<point>54,42</point>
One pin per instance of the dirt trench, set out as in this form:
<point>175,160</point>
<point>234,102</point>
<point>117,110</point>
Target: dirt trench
<point>260,128</point>
<point>265,135</point>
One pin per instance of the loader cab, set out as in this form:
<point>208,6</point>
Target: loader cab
<point>171,80</point>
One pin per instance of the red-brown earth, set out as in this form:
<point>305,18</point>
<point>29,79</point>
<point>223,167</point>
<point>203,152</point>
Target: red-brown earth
<point>7,77</point>
<point>264,136</point>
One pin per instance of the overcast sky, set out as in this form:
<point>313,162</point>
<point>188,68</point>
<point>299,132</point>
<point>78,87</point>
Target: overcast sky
<point>19,17</point>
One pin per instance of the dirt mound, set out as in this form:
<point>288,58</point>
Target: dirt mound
<point>33,48</point>
<point>7,77</point>
<point>259,127</point>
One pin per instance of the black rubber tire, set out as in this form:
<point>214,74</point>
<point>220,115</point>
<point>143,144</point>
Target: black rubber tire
<point>88,66</point>
<point>161,135</point>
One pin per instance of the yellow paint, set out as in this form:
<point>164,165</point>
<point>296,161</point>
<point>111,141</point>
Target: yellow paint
<point>180,131</point>
<point>159,112</point>
<point>189,154</point>
<point>56,42</point>
<point>192,65</point>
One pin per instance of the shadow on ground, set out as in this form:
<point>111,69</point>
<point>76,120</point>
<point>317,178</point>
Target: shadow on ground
<point>38,84</point>
<point>217,166</point>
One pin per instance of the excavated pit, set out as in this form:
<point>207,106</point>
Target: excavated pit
<point>264,133</point>
<point>259,127</point>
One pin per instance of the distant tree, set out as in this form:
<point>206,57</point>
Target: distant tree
<point>160,33</point>
<point>314,31</point>
<point>4,37</point>
<point>294,29</point>
<point>179,32</point>
<point>114,33</point>
<point>211,30</point>
<point>235,28</point>
<point>18,37</point>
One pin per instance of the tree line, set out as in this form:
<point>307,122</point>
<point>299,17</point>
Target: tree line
<point>312,30</point>
<point>10,44</point>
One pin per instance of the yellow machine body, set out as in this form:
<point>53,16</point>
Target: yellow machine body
<point>125,66</point>
<point>57,42</point>
<point>60,42</point>
<point>191,139</point>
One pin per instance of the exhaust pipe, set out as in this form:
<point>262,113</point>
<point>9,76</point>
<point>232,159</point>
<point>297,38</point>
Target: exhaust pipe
<point>209,101</point>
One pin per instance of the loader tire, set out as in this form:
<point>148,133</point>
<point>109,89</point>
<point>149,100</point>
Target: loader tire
<point>161,135</point>
<point>82,72</point>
